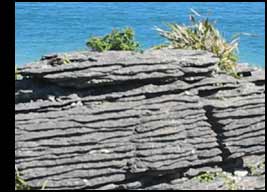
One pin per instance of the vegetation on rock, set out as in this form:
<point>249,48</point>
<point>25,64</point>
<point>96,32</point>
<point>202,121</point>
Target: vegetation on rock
<point>66,60</point>
<point>17,75</point>
<point>203,35</point>
<point>208,177</point>
<point>256,169</point>
<point>20,184</point>
<point>116,40</point>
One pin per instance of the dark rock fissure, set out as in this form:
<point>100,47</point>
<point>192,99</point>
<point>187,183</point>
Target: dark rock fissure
<point>226,164</point>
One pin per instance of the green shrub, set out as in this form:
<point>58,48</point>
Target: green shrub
<point>202,34</point>
<point>116,40</point>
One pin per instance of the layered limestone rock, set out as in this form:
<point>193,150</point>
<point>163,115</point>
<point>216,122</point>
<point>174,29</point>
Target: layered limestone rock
<point>126,120</point>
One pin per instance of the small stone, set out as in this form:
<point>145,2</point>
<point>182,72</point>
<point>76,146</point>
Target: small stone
<point>188,93</point>
<point>52,98</point>
<point>86,181</point>
<point>241,173</point>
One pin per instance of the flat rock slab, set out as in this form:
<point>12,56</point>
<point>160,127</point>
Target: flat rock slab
<point>116,67</point>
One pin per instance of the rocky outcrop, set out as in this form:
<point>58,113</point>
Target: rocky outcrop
<point>152,120</point>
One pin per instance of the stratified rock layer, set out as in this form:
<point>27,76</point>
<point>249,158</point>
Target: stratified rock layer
<point>124,120</point>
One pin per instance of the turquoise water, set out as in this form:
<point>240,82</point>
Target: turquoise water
<point>43,28</point>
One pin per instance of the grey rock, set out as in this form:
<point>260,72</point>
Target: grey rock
<point>241,173</point>
<point>127,120</point>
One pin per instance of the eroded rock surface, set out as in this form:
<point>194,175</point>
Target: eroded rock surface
<point>152,120</point>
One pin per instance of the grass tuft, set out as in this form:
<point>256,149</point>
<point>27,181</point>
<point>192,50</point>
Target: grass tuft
<point>21,184</point>
<point>203,35</point>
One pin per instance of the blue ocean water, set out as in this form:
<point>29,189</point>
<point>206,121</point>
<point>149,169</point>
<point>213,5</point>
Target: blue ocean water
<point>42,28</point>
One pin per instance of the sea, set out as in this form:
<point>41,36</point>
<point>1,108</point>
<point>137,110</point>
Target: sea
<point>45,28</point>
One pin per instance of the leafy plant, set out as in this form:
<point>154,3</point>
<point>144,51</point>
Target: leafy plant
<point>17,75</point>
<point>229,182</point>
<point>255,169</point>
<point>206,177</point>
<point>203,35</point>
<point>262,165</point>
<point>116,40</point>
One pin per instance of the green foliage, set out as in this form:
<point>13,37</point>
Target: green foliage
<point>159,46</point>
<point>66,60</point>
<point>229,182</point>
<point>17,75</point>
<point>44,185</point>
<point>20,184</point>
<point>262,165</point>
<point>116,40</point>
<point>255,169</point>
<point>206,177</point>
<point>203,35</point>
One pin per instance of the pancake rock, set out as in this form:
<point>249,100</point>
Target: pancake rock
<point>126,120</point>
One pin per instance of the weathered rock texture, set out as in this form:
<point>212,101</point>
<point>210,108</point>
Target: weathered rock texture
<point>152,120</point>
